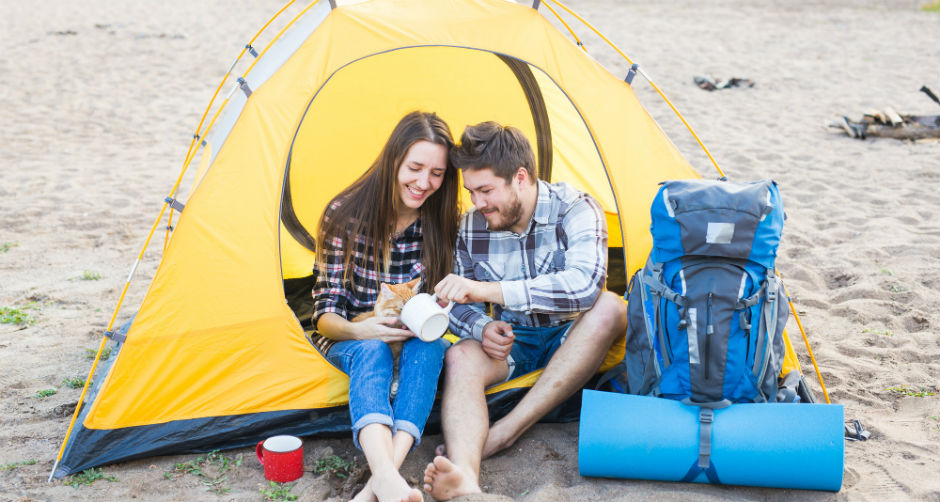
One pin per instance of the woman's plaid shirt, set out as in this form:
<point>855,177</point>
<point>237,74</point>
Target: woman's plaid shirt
<point>356,296</point>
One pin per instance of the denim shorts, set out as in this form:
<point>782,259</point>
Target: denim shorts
<point>534,347</point>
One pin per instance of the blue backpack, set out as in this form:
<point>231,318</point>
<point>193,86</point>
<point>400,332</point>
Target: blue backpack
<point>706,314</point>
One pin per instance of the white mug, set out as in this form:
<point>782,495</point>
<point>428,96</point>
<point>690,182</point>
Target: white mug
<point>424,317</point>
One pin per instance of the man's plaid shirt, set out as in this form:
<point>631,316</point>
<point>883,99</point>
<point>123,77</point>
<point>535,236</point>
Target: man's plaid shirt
<point>548,275</point>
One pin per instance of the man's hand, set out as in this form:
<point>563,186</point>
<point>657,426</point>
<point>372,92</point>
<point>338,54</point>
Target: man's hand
<point>458,289</point>
<point>498,339</point>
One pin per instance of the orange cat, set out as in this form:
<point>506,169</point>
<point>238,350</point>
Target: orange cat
<point>391,299</point>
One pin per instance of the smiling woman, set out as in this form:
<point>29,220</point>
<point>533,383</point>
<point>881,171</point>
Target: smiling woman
<point>405,181</point>
<point>397,223</point>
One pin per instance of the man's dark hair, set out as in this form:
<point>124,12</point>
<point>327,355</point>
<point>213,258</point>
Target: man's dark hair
<point>490,145</point>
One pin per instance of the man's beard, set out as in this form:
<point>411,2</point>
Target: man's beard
<point>511,215</point>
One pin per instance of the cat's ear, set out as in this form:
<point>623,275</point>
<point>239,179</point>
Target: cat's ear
<point>414,284</point>
<point>385,291</point>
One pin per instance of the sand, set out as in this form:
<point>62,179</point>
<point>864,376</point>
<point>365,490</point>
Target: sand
<point>99,101</point>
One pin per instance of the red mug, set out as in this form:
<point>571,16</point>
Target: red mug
<point>282,458</point>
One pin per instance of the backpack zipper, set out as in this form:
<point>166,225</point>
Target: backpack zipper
<point>662,328</point>
<point>747,332</point>
<point>709,330</point>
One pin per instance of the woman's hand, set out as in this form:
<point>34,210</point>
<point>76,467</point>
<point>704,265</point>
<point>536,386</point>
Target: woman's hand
<point>386,329</point>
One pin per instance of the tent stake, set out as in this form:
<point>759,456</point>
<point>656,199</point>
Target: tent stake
<point>54,466</point>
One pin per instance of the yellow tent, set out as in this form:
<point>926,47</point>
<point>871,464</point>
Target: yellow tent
<point>215,357</point>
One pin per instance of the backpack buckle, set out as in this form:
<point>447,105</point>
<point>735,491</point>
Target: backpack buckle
<point>771,288</point>
<point>706,415</point>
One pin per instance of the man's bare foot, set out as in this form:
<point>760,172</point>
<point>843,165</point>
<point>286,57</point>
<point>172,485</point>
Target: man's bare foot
<point>366,494</point>
<point>444,480</point>
<point>499,438</point>
<point>393,488</point>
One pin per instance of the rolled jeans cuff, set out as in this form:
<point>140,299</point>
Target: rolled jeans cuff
<point>410,428</point>
<point>369,419</point>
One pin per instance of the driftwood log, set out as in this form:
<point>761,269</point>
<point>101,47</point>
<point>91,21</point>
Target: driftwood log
<point>891,124</point>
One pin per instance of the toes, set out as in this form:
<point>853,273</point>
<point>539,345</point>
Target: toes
<point>443,464</point>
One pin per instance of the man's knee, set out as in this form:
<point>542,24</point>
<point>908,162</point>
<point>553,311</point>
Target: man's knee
<point>462,358</point>
<point>467,362</point>
<point>609,314</point>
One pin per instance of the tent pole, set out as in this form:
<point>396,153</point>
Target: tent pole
<point>806,341</point>
<point>570,31</point>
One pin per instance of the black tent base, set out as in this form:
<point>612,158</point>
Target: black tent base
<point>91,448</point>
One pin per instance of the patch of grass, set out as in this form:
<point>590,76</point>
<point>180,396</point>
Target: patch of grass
<point>74,382</point>
<point>212,470</point>
<point>931,7</point>
<point>884,332</point>
<point>13,315</point>
<point>88,478</point>
<point>897,288</point>
<point>14,465</point>
<point>88,275</point>
<point>276,492</point>
<point>904,389</point>
<point>45,393</point>
<point>105,354</point>
<point>334,465</point>
<point>6,246</point>
<point>886,272</point>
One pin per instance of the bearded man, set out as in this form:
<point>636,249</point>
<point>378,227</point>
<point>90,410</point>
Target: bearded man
<point>537,253</point>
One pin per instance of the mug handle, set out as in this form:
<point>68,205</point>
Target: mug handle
<point>259,450</point>
<point>449,306</point>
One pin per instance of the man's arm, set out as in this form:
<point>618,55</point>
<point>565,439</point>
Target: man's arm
<point>575,288</point>
<point>468,316</point>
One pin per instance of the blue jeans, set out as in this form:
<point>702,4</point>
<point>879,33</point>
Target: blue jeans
<point>369,366</point>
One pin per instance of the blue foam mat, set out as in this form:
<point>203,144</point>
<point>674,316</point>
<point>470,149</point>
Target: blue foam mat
<point>778,445</point>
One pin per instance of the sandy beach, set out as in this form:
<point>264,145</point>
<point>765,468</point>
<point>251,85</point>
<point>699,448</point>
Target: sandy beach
<point>100,100</point>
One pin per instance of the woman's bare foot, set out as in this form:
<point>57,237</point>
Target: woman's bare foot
<point>366,494</point>
<point>392,487</point>
<point>444,480</point>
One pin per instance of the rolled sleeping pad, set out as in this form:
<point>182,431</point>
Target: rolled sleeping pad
<point>777,445</point>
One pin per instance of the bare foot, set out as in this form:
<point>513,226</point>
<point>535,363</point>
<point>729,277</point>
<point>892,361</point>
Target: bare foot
<point>499,439</point>
<point>393,488</point>
<point>444,480</point>
<point>366,494</point>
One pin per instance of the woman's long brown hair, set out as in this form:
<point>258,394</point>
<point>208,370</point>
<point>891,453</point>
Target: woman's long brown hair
<point>370,206</point>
